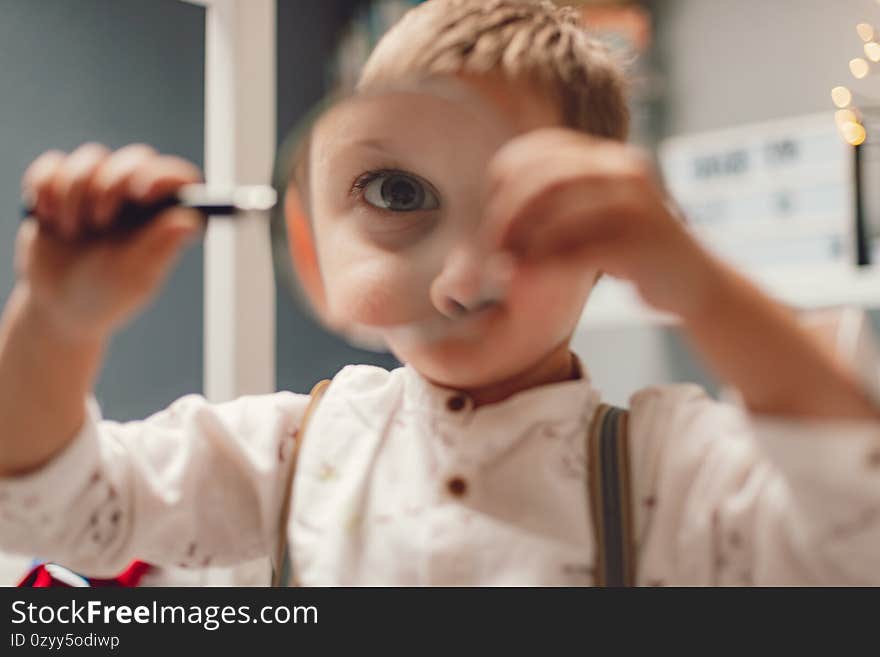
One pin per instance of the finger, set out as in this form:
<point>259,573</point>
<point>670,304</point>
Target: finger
<point>517,190</point>
<point>520,154</point>
<point>160,252</point>
<point>109,185</point>
<point>511,190</point>
<point>160,177</point>
<point>161,239</point>
<point>521,151</point>
<point>69,184</point>
<point>35,184</point>
<point>568,219</point>
<point>527,165</point>
<point>604,169</point>
<point>581,229</point>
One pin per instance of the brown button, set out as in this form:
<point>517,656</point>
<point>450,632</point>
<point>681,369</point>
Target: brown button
<point>457,486</point>
<point>455,403</point>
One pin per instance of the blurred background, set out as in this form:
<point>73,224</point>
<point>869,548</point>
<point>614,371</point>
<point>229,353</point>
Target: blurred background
<point>734,96</point>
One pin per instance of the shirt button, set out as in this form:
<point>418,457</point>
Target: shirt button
<point>456,403</point>
<point>457,486</point>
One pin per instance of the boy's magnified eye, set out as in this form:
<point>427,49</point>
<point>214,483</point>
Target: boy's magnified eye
<point>398,192</point>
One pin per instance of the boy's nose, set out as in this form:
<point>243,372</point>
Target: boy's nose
<point>459,288</point>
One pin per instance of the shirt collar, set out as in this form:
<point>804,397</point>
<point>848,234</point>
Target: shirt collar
<point>554,402</point>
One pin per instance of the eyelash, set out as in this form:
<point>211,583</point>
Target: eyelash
<point>360,183</point>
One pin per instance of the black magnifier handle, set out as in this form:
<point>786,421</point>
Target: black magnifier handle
<point>208,200</point>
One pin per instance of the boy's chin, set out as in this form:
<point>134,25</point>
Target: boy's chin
<point>459,365</point>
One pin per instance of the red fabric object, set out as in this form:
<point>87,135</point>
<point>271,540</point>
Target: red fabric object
<point>131,576</point>
<point>46,575</point>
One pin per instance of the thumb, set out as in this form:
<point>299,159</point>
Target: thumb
<point>165,236</point>
<point>151,254</point>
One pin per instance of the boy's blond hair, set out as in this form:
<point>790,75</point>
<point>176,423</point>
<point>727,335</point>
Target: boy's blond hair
<point>520,39</point>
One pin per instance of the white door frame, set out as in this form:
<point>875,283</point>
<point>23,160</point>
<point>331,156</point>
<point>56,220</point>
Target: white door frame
<point>240,137</point>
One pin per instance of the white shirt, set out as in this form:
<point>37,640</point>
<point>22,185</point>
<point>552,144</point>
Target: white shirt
<point>398,485</point>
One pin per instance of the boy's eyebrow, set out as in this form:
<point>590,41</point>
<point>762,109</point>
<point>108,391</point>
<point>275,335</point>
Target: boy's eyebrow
<point>338,146</point>
<point>342,148</point>
<point>374,144</point>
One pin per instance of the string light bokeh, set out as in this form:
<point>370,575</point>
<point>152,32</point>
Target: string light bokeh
<point>848,117</point>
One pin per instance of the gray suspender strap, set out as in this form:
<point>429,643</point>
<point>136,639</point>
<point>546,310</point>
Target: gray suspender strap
<point>610,498</point>
<point>282,569</point>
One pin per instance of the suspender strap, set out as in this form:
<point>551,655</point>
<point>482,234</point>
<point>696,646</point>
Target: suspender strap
<point>282,569</point>
<point>610,503</point>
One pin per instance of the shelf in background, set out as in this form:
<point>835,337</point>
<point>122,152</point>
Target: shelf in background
<point>615,304</point>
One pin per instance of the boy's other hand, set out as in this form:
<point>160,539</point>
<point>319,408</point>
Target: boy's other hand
<point>562,194</point>
<point>86,285</point>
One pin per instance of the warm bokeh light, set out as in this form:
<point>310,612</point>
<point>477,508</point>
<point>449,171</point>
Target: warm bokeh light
<point>845,116</point>
<point>866,31</point>
<point>872,50</point>
<point>841,96</point>
<point>859,68</point>
<point>853,133</point>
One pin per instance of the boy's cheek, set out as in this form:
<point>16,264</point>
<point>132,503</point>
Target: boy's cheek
<point>372,297</point>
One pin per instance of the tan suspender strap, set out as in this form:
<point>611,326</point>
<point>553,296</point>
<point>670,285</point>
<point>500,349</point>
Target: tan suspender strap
<point>608,479</point>
<point>281,563</point>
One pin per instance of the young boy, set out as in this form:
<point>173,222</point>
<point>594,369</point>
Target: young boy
<point>468,464</point>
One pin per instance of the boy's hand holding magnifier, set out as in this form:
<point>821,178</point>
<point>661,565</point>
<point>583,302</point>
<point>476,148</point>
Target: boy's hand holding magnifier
<point>87,288</point>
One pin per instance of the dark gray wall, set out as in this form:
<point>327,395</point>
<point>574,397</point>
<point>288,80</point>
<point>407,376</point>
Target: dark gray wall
<point>307,34</point>
<point>114,71</point>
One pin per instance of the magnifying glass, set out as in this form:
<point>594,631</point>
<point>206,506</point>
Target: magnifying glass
<point>374,195</point>
<point>378,193</point>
